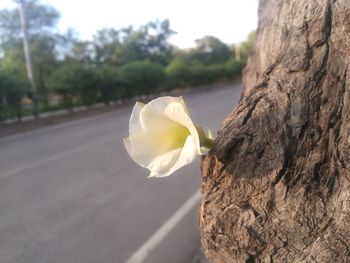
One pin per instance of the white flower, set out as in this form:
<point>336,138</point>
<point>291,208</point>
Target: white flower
<point>162,136</point>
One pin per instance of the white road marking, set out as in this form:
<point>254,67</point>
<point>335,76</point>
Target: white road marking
<point>141,254</point>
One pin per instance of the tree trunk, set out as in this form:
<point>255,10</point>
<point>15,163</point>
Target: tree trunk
<point>276,183</point>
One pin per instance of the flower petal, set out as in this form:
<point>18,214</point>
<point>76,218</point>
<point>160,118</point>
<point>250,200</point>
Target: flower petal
<point>145,146</point>
<point>162,136</point>
<point>134,123</point>
<point>139,150</point>
<point>157,113</point>
<point>161,166</point>
<point>159,104</point>
<point>177,112</point>
<point>154,121</point>
<point>152,115</point>
<point>168,163</point>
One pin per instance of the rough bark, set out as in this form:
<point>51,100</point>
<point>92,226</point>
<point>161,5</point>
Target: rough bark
<point>276,184</point>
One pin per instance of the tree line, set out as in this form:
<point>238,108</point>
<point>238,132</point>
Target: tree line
<point>116,64</point>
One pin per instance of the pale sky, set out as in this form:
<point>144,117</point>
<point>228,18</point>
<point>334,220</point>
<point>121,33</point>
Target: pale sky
<point>229,20</point>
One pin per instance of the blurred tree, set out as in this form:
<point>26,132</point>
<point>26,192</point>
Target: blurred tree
<point>133,48</point>
<point>149,42</point>
<point>210,50</point>
<point>41,20</point>
<point>13,60</point>
<point>179,72</point>
<point>109,83</point>
<point>44,62</point>
<point>43,59</point>
<point>245,47</point>
<point>80,52</point>
<point>75,83</point>
<point>210,61</point>
<point>11,94</point>
<point>106,41</point>
<point>158,47</point>
<point>141,77</point>
<point>190,67</point>
<point>64,83</point>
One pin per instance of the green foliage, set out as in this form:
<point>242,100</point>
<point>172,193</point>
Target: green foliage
<point>141,77</point>
<point>116,64</point>
<point>210,50</point>
<point>43,60</point>
<point>11,94</point>
<point>78,84</point>
<point>62,83</point>
<point>210,61</point>
<point>44,63</point>
<point>109,83</point>
<point>75,83</point>
<point>106,41</point>
<point>149,42</point>
<point>178,72</point>
<point>80,52</point>
<point>13,60</point>
<point>181,73</point>
<point>41,19</point>
<point>246,47</point>
<point>233,68</point>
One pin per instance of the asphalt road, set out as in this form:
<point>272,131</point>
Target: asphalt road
<point>70,193</point>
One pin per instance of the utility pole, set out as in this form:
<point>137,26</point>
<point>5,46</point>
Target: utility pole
<point>28,59</point>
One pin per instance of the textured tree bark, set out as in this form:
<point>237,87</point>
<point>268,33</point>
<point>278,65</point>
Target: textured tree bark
<point>276,184</point>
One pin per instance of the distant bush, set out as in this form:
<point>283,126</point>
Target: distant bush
<point>109,83</point>
<point>233,68</point>
<point>141,77</point>
<point>178,73</point>
<point>75,83</point>
<point>11,94</point>
<point>181,73</point>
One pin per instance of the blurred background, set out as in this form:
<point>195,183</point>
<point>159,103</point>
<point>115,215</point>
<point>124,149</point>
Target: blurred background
<point>70,72</point>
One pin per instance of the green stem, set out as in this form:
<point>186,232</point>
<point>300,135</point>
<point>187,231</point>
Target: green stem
<point>205,142</point>
<point>208,143</point>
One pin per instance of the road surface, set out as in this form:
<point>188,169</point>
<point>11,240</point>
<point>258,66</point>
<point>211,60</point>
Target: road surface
<point>70,193</point>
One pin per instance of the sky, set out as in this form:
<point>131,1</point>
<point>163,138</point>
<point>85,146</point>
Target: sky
<point>229,20</point>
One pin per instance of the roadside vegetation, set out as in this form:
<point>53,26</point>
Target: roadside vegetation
<point>116,65</point>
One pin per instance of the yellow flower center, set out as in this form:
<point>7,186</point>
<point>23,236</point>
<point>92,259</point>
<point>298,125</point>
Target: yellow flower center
<point>173,137</point>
